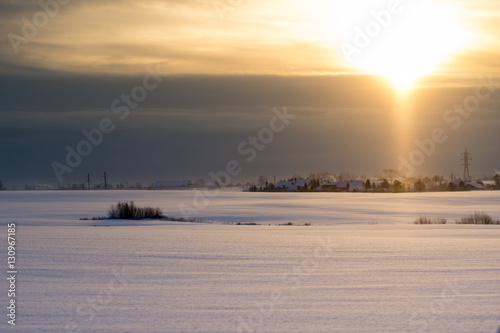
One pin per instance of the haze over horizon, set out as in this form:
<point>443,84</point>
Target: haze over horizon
<point>203,76</point>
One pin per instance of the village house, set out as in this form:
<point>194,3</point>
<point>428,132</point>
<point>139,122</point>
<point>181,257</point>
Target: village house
<point>469,185</point>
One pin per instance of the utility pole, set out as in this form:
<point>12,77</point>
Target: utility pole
<point>88,181</point>
<point>466,158</point>
<point>105,181</point>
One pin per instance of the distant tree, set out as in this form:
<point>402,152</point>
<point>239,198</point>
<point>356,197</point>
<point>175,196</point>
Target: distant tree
<point>385,184</point>
<point>443,186</point>
<point>451,186</point>
<point>461,186</point>
<point>368,185</point>
<point>326,176</point>
<point>397,186</point>
<point>419,186</point>
<point>390,173</point>
<point>2,188</point>
<point>348,187</point>
<point>497,180</point>
<point>437,179</point>
<point>261,181</point>
<point>343,176</point>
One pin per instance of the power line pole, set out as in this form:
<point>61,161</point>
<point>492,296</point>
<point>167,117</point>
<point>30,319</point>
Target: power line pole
<point>105,181</point>
<point>88,181</point>
<point>466,158</point>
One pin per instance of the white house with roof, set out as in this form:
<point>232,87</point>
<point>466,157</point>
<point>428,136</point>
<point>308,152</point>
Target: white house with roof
<point>469,184</point>
<point>475,185</point>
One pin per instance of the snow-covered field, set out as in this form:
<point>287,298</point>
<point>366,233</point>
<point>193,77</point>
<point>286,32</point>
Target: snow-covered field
<point>361,267</point>
<point>66,208</point>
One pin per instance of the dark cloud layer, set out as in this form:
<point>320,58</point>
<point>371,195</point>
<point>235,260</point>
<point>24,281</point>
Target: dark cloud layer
<point>59,93</point>
<point>191,125</point>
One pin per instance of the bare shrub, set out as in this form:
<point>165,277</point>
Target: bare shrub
<point>425,220</point>
<point>129,211</point>
<point>440,220</point>
<point>477,218</point>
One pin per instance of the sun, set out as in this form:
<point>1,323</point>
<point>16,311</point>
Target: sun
<point>402,43</point>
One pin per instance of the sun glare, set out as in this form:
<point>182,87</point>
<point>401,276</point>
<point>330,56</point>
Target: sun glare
<point>403,43</point>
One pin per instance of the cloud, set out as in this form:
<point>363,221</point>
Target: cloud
<point>187,37</point>
<point>63,92</point>
<point>192,125</point>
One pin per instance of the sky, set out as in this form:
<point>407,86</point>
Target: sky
<point>178,89</point>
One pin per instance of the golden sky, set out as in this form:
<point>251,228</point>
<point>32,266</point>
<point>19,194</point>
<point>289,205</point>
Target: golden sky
<point>258,37</point>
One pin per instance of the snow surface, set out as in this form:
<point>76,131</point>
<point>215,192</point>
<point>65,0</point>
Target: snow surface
<point>66,208</point>
<point>342,274</point>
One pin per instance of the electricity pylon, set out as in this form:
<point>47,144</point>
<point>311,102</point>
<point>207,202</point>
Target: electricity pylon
<point>466,158</point>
